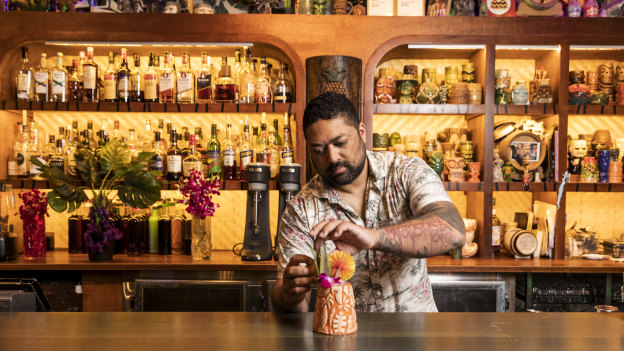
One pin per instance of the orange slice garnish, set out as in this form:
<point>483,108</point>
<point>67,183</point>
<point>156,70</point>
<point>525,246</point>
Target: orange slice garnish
<point>343,263</point>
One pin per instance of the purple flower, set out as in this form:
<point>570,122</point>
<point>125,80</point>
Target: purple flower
<point>326,281</point>
<point>101,231</point>
<point>197,192</point>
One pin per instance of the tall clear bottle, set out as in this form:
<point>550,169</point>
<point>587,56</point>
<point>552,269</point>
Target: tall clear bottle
<point>90,71</point>
<point>246,152</point>
<point>213,157</point>
<point>58,80</point>
<point>22,151</point>
<point>229,154</point>
<point>75,84</point>
<point>274,152</point>
<point>109,90</point>
<point>57,160</point>
<point>69,149</point>
<point>151,81</point>
<point>136,80</point>
<point>24,79</point>
<point>35,150</point>
<point>247,78</point>
<point>236,70</point>
<point>288,151</point>
<point>264,89</point>
<point>204,80</point>
<point>282,90</point>
<point>185,81</point>
<point>166,81</point>
<point>124,85</point>
<point>42,74</point>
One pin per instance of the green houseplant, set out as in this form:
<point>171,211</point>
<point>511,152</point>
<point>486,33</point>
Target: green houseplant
<point>107,172</point>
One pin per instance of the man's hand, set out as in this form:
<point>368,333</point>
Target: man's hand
<point>347,236</point>
<point>291,293</point>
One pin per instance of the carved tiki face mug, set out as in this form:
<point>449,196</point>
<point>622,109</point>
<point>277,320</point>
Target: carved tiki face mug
<point>578,148</point>
<point>455,167</point>
<point>474,171</point>
<point>384,88</point>
<point>436,161</point>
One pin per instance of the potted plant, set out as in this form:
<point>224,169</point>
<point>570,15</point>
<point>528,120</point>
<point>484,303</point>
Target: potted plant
<point>107,173</point>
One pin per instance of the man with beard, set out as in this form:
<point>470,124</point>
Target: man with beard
<point>387,210</point>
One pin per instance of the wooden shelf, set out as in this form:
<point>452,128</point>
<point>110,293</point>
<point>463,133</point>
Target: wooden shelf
<point>594,187</point>
<point>610,109</point>
<point>147,107</point>
<point>428,109</point>
<point>463,186</point>
<point>27,183</point>
<point>533,187</point>
<point>539,109</point>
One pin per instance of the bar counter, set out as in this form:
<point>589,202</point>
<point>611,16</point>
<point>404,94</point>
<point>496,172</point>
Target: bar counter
<point>270,331</point>
<point>227,261</point>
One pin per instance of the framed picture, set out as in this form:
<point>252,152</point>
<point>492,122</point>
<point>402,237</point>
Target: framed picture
<point>525,150</point>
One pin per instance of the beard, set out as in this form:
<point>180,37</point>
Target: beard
<point>352,170</point>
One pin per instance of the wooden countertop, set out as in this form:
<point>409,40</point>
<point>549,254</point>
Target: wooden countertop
<point>226,260</point>
<point>270,331</point>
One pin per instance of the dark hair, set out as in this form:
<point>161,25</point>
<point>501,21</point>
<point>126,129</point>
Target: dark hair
<point>329,106</point>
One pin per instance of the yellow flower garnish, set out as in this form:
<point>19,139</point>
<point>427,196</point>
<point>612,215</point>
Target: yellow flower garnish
<point>341,263</point>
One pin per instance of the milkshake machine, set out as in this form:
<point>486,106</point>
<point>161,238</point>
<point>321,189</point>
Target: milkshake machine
<point>290,184</point>
<point>257,243</point>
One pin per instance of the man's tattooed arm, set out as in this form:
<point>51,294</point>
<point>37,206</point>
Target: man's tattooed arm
<point>438,229</point>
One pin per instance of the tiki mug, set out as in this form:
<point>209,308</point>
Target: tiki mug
<point>466,151</point>
<point>614,154</point>
<point>589,170</point>
<point>615,172</point>
<point>451,75</point>
<point>475,93</point>
<point>428,149</point>
<point>428,92</point>
<point>509,172</point>
<point>519,94</point>
<point>544,94</point>
<point>498,167</point>
<point>384,88</point>
<point>468,72</point>
<point>605,79</point>
<point>455,169</point>
<point>620,93</point>
<point>577,77</point>
<point>619,72</point>
<point>444,93</point>
<point>578,151</point>
<point>474,169</point>
<point>448,149</point>
<point>436,162</point>
<point>405,88</point>
<point>603,157</point>
<point>334,312</point>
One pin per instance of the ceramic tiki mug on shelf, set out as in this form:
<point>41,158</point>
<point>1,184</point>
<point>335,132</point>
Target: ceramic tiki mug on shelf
<point>519,94</point>
<point>428,92</point>
<point>385,87</point>
<point>604,157</point>
<point>615,172</point>
<point>589,171</point>
<point>436,162</point>
<point>474,171</point>
<point>455,168</point>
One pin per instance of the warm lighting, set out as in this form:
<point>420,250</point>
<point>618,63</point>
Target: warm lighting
<point>527,47</point>
<point>447,47</point>
<point>154,44</point>
<point>596,47</point>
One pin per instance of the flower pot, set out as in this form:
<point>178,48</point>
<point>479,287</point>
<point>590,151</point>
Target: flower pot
<point>334,312</point>
<point>104,256</point>
<point>201,244</point>
<point>34,238</point>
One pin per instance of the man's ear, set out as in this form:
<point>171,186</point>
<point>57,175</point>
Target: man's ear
<point>362,130</point>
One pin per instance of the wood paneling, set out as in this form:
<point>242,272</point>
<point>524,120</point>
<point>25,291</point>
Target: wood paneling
<point>101,291</point>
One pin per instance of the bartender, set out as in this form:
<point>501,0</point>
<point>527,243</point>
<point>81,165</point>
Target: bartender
<point>387,210</point>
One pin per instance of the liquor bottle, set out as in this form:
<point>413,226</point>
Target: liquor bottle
<point>163,139</point>
<point>136,80</point>
<point>153,229</point>
<point>35,150</point>
<point>188,233</point>
<point>75,84</point>
<point>185,81</point>
<point>262,145</point>
<point>12,160</point>
<point>22,153</point>
<point>200,143</point>
<point>225,89</point>
<point>246,152</point>
<point>58,159</point>
<point>174,159</point>
<point>278,138</point>
<point>116,132</point>
<point>282,90</point>
<point>236,70</point>
<point>75,231</point>
<point>92,141</point>
<point>109,91</point>
<point>183,143</point>
<point>247,78</point>
<point>157,161</point>
<point>192,160</point>
<point>264,90</point>
<point>166,81</point>
<point>134,231</point>
<point>288,151</point>
<point>124,85</point>
<point>274,152</point>
<point>58,80</point>
<point>133,145</point>
<point>229,155</point>
<point>164,230</point>
<point>146,140</point>
<point>49,150</point>
<point>213,158</point>
<point>89,82</point>
<point>496,230</point>
<point>42,73</point>
<point>69,149</point>
<point>151,81</point>
<point>204,80</point>
<point>177,231</point>
<point>23,80</point>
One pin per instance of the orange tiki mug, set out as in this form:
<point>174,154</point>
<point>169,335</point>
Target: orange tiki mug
<point>334,312</point>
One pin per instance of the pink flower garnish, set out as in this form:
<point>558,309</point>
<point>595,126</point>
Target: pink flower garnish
<point>326,281</point>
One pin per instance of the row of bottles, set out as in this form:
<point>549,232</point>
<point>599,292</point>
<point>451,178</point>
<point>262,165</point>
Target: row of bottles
<point>84,80</point>
<point>174,154</point>
<point>164,229</point>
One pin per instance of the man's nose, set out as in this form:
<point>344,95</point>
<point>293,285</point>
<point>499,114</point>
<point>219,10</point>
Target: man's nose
<point>333,154</point>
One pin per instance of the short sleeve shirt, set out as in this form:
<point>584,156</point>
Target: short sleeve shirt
<point>398,187</point>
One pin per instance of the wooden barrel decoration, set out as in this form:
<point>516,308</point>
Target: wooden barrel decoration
<point>520,146</point>
<point>339,74</point>
<point>519,243</point>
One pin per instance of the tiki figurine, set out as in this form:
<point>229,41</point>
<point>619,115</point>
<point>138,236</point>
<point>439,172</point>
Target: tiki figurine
<point>498,167</point>
<point>455,169</point>
<point>474,171</point>
<point>384,88</point>
<point>436,161</point>
<point>509,172</point>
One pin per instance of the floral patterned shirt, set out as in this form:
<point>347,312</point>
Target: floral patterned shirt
<point>398,187</point>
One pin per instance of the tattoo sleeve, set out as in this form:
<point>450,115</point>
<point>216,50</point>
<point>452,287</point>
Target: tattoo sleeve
<point>438,229</point>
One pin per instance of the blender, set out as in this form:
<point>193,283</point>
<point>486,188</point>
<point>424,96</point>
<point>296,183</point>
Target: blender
<point>257,243</point>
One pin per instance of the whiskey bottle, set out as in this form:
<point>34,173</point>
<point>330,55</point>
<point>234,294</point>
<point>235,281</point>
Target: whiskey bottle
<point>41,80</point>
<point>282,90</point>
<point>213,158</point>
<point>288,152</point>
<point>124,85</point>
<point>236,70</point>
<point>157,161</point>
<point>58,80</point>
<point>185,81</point>
<point>247,78</point>
<point>174,159</point>
<point>75,84</point>
<point>151,81</point>
<point>246,152</point>
<point>229,155</point>
<point>22,153</point>
<point>225,89</point>
<point>89,82</point>
<point>278,138</point>
<point>264,90</point>
<point>274,152</point>
<point>192,160</point>
<point>23,79</point>
<point>166,81</point>
<point>204,80</point>
<point>109,92</point>
<point>35,150</point>
<point>496,230</point>
<point>58,159</point>
<point>136,80</point>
